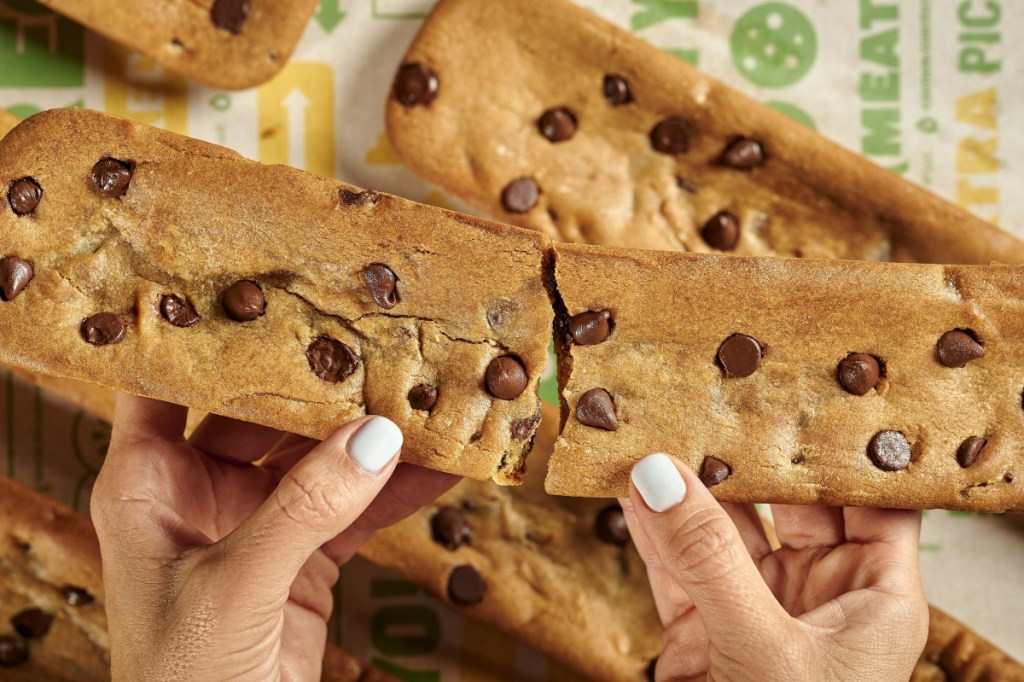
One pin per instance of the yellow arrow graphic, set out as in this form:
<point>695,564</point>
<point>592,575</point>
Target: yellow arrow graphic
<point>296,118</point>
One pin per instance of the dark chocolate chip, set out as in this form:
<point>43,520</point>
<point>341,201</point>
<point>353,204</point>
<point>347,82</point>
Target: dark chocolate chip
<point>596,408</point>
<point>13,651</point>
<point>178,311</point>
<point>591,327</point>
<point>111,177</point>
<point>416,84</point>
<point>422,397</point>
<point>23,195</point>
<point>557,125</point>
<point>382,283</point>
<point>889,450</point>
<point>616,90</point>
<point>366,197</point>
<point>230,15</point>
<point>449,528</point>
<point>739,356</point>
<point>243,301</point>
<point>331,360</point>
<point>722,231</point>
<point>76,596</point>
<point>858,373</point>
<point>970,450</point>
<point>651,667</point>
<point>610,525</point>
<point>15,274</point>
<point>522,429</point>
<point>713,471</point>
<point>743,153</point>
<point>520,195</point>
<point>958,347</point>
<point>103,329</point>
<point>687,186</point>
<point>466,586</point>
<point>671,136</point>
<point>32,623</point>
<point>506,377</point>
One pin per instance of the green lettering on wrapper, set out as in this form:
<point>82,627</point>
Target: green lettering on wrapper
<point>38,48</point>
<point>407,630</point>
<point>658,11</point>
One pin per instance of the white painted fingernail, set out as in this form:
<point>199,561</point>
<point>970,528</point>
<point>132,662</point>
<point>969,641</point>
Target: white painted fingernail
<point>659,482</point>
<point>375,444</point>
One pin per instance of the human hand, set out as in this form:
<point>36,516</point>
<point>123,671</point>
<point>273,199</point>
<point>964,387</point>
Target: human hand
<point>841,600</point>
<point>217,569</point>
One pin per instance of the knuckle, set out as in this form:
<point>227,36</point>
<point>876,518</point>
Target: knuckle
<point>703,544</point>
<point>313,505</point>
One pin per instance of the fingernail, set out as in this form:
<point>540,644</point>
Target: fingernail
<point>659,482</point>
<point>375,444</point>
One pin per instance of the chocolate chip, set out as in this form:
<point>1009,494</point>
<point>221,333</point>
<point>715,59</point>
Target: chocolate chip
<point>687,186</point>
<point>522,429</point>
<point>557,125</point>
<point>743,154</point>
<point>230,14</point>
<point>739,356</point>
<point>970,450</point>
<point>178,311</point>
<point>32,623</point>
<point>651,667</point>
<point>422,397</point>
<point>958,347</point>
<point>506,377</point>
<point>713,471</point>
<point>243,301</point>
<point>331,360</point>
<point>671,136</point>
<point>591,327</point>
<point>889,450</point>
<point>722,231</point>
<point>616,90</point>
<point>466,586</point>
<point>596,408</point>
<point>858,373</point>
<point>367,196</point>
<point>23,195</point>
<point>12,651</point>
<point>103,329</point>
<point>15,274</point>
<point>76,596</point>
<point>415,84</point>
<point>611,527</point>
<point>111,177</point>
<point>381,282</point>
<point>449,528</point>
<point>520,195</point>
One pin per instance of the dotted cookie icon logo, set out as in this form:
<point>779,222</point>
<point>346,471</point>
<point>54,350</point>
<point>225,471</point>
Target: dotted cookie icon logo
<point>774,45</point>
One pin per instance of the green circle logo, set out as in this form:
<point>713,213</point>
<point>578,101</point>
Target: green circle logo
<point>773,45</point>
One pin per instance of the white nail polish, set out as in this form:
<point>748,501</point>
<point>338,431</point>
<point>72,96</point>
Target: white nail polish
<point>659,482</point>
<point>375,444</point>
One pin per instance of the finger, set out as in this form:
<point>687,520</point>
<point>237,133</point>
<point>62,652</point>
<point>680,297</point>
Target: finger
<point>751,528</point>
<point>684,653</point>
<point>900,527</point>
<point>670,599</point>
<point>801,526</point>
<point>701,548</point>
<point>233,440</point>
<point>288,452</point>
<point>138,419</point>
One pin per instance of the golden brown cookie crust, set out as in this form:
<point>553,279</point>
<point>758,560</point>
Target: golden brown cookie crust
<point>7,122</point>
<point>957,654</point>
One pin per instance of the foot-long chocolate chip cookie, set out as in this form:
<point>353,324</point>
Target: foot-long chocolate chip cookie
<point>232,44</point>
<point>566,124</point>
<point>955,653</point>
<point>798,381</point>
<point>155,264</point>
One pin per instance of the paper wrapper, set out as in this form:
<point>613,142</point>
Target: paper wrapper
<point>927,87</point>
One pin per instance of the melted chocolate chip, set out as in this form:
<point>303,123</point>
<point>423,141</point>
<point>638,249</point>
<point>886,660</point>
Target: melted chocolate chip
<point>466,586</point>
<point>651,667</point>
<point>722,231</point>
<point>449,529</point>
<point>364,198</point>
<point>557,125</point>
<point>331,360</point>
<point>24,195</point>
<point>858,373</point>
<point>687,186</point>
<point>739,356</point>
<point>230,15</point>
<point>13,651</point>
<point>713,471</point>
<point>506,377</point>
<point>889,450</point>
<point>591,327</point>
<point>596,408</point>
<point>243,301</point>
<point>616,90</point>
<point>522,429</point>
<point>958,347</point>
<point>178,311</point>
<point>32,623</point>
<point>76,596</point>
<point>103,329</point>
<point>671,136</point>
<point>611,527</point>
<point>415,85</point>
<point>423,397</point>
<point>15,274</point>
<point>743,154</point>
<point>970,450</point>
<point>382,283</point>
<point>520,195</point>
<point>111,177</point>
